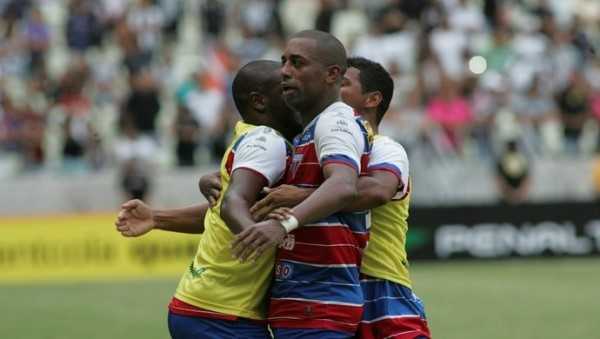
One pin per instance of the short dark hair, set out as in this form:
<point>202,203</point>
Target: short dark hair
<point>255,76</point>
<point>374,78</point>
<point>329,49</point>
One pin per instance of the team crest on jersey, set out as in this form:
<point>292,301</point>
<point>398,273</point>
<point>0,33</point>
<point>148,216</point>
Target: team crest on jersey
<point>288,242</point>
<point>283,270</point>
<point>196,272</point>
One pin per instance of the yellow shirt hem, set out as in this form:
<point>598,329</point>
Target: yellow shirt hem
<point>386,276</point>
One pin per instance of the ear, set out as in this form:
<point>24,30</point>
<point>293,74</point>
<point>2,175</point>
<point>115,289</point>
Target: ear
<point>373,99</point>
<point>258,101</point>
<point>334,74</point>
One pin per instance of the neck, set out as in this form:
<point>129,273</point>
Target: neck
<point>310,113</point>
<point>370,115</point>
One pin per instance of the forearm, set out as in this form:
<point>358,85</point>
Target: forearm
<point>235,212</point>
<point>370,195</point>
<point>331,197</point>
<point>181,220</point>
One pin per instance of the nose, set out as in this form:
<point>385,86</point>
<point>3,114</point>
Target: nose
<point>286,70</point>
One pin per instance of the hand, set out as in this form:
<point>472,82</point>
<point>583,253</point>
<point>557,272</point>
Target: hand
<point>135,219</point>
<point>210,187</point>
<point>281,214</point>
<point>253,241</point>
<point>281,196</point>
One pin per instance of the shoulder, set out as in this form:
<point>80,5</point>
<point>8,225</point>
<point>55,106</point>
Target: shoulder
<point>386,147</point>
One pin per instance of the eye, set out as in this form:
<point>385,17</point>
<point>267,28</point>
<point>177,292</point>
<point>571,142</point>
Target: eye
<point>346,82</point>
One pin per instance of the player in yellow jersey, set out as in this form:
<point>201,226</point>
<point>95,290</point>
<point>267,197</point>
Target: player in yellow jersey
<point>218,296</point>
<point>391,309</point>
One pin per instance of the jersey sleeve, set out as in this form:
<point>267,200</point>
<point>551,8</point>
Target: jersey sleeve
<point>264,152</point>
<point>338,139</point>
<point>388,155</point>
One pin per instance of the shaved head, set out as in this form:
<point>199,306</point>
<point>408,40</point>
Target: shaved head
<point>256,76</point>
<point>328,50</point>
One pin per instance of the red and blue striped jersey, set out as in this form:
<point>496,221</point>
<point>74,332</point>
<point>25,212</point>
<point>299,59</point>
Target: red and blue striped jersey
<point>317,281</point>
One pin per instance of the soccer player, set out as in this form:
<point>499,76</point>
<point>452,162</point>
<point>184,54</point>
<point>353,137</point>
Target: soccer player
<point>317,292</point>
<point>219,296</point>
<point>391,309</point>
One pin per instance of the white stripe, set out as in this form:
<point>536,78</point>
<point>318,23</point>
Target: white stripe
<point>389,317</point>
<point>324,245</point>
<point>322,302</point>
<point>320,319</point>
<point>318,282</point>
<point>395,334</point>
<point>319,265</point>
<point>309,163</point>
<point>311,141</point>
<point>381,298</point>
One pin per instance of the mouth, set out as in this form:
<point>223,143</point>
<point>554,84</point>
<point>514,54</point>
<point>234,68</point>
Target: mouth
<point>287,89</point>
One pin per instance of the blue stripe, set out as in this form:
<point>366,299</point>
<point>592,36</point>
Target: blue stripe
<point>385,298</point>
<point>361,124</point>
<point>340,284</point>
<point>341,158</point>
<point>388,166</point>
<point>356,221</point>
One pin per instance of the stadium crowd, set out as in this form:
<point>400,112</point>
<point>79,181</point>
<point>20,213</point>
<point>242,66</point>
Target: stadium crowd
<point>86,85</point>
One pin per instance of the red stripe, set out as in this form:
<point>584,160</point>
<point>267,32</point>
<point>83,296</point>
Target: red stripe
<point>181,308</point>
<point>364,164</point>
<point>361,239</point>
<point>398,328</point>
<point>229,162</point>
<point>338,255</point>
<point>314,315</point>
<point>337,234</point>
<point>308,175</point>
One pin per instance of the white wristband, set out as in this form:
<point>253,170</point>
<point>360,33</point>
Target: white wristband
<point>290,224</point>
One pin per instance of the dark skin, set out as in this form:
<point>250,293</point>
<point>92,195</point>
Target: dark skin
<point>245,185</point>
<point>375,189</point>
<point>309,86</point>
<point>264,108</point>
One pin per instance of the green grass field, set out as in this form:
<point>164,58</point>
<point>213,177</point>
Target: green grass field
<point>529,299</point>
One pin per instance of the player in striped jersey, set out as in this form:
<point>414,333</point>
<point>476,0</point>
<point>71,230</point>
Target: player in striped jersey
<point>218,296</point>
<point>391,309</point>
<point>317,292</point>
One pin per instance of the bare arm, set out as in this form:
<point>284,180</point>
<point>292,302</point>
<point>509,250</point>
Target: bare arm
<point>182,220</point>
<point>374,190</point>
<point>335,193</point>
<point>244,187</point>
<point>136,218</point>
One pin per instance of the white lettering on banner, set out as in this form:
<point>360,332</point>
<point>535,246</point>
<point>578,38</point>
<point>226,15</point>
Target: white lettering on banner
<point>490,240</point>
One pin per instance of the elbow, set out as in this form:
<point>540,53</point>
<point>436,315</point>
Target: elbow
<point>348,194</point>
<point>226,213</point>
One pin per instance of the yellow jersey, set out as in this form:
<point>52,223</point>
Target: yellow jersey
<point>385,255</point>
<point>215,280</point>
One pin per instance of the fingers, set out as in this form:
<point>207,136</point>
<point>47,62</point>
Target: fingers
<point>211,201</point>
<point>259,251</point>
<point>260,214</point>
<point>131,204</point>
<point>242,242</point>
<point>250,250</point>
<point>261,204</point>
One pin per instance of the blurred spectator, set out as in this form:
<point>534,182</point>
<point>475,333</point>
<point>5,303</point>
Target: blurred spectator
<point>135,181</point>
<point>573,103</point>
<point>143,104</point>
<point>513,174</point>
<point>450,46</point>
<point>83,28</point>
<point>325,15</point>
<point>536,113</point>
<point>37,35</point>
<point>449,118</point>
<point>187,131</point>
<point>146,21</point>
<point>213,18</point>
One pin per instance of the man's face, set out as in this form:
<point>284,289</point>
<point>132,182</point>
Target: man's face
<point>279,109</point>
<point>351,91</point>
<point>303,77</point>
